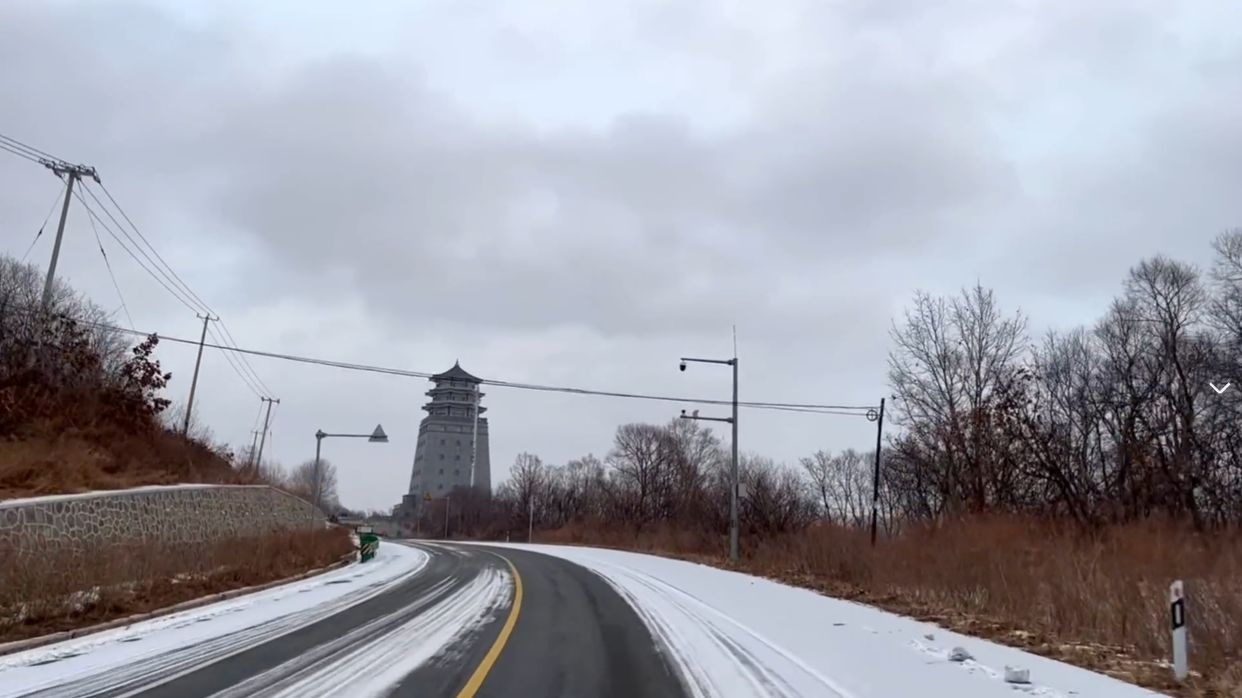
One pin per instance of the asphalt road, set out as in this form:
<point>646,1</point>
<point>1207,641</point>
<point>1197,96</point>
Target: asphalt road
<point>562,632</point>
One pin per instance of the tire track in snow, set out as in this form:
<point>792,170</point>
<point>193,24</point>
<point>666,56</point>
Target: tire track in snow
<point>740,650</point>
<point>371,659</point>
<point>163,665</point>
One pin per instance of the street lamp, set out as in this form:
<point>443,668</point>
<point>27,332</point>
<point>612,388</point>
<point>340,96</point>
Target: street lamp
<point>733,421</point>
<point>376,437</point>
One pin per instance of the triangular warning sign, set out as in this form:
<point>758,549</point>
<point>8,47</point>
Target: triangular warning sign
<point>378,434</point>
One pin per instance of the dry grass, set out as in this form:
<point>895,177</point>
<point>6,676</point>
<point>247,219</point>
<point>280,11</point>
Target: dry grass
<point>61,590</point>
<point>1098,601</point>
<point>78,461</point>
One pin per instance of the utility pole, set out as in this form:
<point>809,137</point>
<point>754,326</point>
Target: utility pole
<point>733,504</point>
<point>875,480</point>
<point>253,441</point>
<point>189,406</point>
<point>258,461</point>
<point>530,526</point>
<point>73,173</point>
<point>733,489</point>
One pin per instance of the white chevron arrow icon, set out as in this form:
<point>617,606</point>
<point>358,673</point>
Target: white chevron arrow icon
<point>1221,389</point>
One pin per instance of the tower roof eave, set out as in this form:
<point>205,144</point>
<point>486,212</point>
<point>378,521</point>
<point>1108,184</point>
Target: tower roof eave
<point>457,373</point>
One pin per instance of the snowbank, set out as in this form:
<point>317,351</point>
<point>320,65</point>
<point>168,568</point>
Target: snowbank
<point>733,634</point>
<point>234,625</point>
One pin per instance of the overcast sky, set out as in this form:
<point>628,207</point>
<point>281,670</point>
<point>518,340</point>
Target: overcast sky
<point>578,193</point>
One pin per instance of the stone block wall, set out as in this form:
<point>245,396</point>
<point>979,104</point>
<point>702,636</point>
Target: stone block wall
<point>173,514</point>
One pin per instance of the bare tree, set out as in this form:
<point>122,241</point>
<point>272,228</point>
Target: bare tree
<point>953,363</point>
<point>301,481</point>
<point>842,484</point>
<point>528,477</point>
<point>644,464</point>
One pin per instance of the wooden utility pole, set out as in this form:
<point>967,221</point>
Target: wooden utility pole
<point>258,461</point>
<point>875,481</point>
<point>73,173</point>
<point>189,405</point>
<point>254,441</point>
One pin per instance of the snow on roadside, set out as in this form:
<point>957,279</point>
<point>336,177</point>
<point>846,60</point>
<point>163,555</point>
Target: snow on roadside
<point>736,635</point>
<point>51,498</point>
<point>106,653</point>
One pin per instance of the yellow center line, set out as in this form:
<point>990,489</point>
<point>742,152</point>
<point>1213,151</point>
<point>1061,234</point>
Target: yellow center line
<point>480,673</point>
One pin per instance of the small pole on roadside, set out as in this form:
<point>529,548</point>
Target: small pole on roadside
<point>446,516</point>
<point>1177,615</point>
<point>878,418</point>
<point>530,526</point>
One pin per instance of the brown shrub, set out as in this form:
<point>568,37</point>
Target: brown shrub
<point>61,590</point>
<point>80,460</point>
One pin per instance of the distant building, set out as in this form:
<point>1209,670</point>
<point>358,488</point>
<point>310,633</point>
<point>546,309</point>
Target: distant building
<point>445,442</point>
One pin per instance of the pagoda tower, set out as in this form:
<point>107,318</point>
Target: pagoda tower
<point>446,441</point>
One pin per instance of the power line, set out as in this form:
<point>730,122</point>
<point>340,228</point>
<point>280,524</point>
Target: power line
<point>3,147</point>
<point>181,296</point>
<point>258,416</point>
<point>244,362</point>
<point>166,282</point>
<point>181,282</point>
<point>95,217</point>
<point>765,405</point>
<point>19,153</point>
<point>236,369</point>
<point>156,268</point>
<point>51,209</point>
<point>777,406</point>
<point>240,362</point>
<point>35,152</point>
<point>112,276</point>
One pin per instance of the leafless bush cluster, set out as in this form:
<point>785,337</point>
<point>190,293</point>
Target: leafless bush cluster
<point>81,407</point>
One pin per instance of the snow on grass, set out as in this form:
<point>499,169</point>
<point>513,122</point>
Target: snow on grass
<point>735,635</point>
<point>242,621</point>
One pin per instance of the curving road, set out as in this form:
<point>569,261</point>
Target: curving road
<point>475,621</point>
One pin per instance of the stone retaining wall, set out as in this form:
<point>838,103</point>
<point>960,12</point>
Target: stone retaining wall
<point>173,514</point>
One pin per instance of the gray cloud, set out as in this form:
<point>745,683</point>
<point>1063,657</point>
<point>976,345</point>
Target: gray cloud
<point>559,195</point>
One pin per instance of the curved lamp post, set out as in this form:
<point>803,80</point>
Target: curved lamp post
<point>376,437</point>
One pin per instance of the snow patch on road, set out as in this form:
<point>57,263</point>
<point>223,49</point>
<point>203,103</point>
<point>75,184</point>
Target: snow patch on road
<point>737,636</point>
<point>109,658</point>
<point>373,658</point>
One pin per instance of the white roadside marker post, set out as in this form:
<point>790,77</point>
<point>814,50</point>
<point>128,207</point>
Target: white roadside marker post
<point>1177,614</point>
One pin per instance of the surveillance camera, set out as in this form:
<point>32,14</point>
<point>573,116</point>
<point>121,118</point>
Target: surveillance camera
<point>682,365</point>
<point>683,413</point>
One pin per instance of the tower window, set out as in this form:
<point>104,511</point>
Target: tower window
<point>441,471</point>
